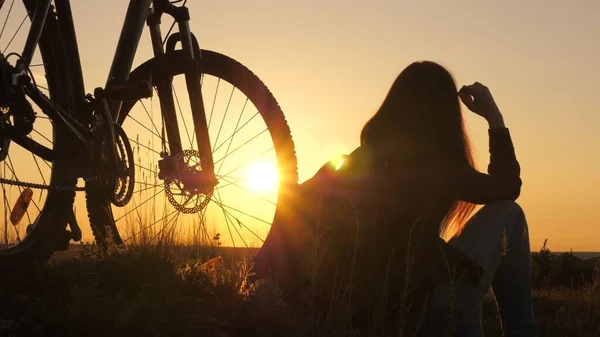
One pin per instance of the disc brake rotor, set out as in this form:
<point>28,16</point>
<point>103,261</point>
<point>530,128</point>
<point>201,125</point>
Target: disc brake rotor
<point>192,197</point>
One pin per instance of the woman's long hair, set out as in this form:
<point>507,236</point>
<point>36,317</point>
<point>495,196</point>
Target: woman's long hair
<point>420,121</point>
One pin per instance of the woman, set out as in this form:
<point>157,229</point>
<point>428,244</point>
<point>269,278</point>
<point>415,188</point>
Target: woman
<point>421,182</point>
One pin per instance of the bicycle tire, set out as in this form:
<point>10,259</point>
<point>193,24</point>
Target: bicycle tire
<point>227,69</point>
<point>48,233</point>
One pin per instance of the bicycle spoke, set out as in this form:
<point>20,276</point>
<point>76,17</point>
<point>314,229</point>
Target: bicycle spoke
<point>11,168</point>
<point>224,115</point>
<point>247,162</point>
<point>227,222</point>
<point>46,138</point>
<point>202,213</point>
<point>145,127</point>
<point>234,132</point>
<point>147,184</point>
<point>7,16</point>
<point>139,205</point>
<point>240,129</point>
<point>149,188</point>
<point>6,208</point>
<point>203,227</point>
<point>229,216</point>
<point>141,145</point>
<point>239,147</point>
<point>152,224</point>
<point>149,226</point>
<point>228,184</point>
<point>212,109</point>
<point>182,118</point>
<point>250,192</point>
<point>15,34</point>
<point>43,160</point>
<point>228,227</point>
<point>241,223</point>
<point>242,212</point>
<point>14,174</point>
<point>149,116</point>
<point>230,179</point>
<point>172,222</point>
<point>145,168</point>
<point>41,174</point>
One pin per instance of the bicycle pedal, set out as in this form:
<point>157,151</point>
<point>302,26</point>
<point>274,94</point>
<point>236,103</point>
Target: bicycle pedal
<point>129,90</point>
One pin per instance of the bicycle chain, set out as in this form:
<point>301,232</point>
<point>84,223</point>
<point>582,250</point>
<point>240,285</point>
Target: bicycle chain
<point>40,186</point>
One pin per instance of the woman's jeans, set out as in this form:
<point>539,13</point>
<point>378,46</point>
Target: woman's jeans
<point>497,238</point>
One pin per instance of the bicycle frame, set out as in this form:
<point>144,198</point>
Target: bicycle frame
<point>139,12</point>
<point>136,15</point>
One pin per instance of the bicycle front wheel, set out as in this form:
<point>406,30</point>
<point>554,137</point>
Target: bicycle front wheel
<point>253,153</point>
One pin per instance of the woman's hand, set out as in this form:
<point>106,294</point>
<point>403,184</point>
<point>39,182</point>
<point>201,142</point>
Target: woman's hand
<point>478,98</point>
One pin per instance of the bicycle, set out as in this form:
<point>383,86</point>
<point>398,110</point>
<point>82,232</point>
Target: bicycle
<point>101,138</point>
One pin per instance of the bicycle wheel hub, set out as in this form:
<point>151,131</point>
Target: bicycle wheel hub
<point>187,186</point>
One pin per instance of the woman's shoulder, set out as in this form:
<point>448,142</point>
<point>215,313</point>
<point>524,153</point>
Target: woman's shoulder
<point>363,157</point>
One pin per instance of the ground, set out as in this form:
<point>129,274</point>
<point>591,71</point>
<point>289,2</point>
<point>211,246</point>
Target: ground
<point>167,291</point>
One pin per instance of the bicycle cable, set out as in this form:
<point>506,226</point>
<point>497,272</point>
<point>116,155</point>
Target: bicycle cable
<point>174,22</point>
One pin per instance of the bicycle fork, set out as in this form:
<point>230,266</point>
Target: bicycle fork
<point>192,75</point>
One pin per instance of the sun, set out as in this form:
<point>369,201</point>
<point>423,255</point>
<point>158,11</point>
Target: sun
<point>262,177</point>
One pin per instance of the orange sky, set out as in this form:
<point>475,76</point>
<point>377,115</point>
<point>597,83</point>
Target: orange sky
<point>330,63</point>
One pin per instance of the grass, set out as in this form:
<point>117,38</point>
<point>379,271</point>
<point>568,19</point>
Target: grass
<point>156,290</point>
<point>160,285</point>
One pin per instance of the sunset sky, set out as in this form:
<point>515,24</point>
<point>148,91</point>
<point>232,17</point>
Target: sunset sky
<point>330,64</point>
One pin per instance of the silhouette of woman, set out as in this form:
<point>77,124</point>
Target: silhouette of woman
<point>421,182</point>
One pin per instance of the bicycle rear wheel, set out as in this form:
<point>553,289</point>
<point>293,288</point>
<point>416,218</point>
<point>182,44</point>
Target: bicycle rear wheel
<point>253,153</point>
<point>35,159</point>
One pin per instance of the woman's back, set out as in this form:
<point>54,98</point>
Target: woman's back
<point>394,241</point>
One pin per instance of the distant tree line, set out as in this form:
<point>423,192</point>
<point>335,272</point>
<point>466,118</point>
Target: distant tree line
<point>563,270</point>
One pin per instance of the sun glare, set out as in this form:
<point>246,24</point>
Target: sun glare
<point>262,177</point>
<point>338,162</point>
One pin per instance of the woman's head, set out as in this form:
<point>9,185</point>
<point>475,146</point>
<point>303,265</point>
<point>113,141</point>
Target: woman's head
<point>421,118</point>
<point>420,122</point>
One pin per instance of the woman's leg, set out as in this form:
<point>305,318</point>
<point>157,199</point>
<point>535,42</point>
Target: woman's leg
<point>473,326</point>
<point>497,238</point>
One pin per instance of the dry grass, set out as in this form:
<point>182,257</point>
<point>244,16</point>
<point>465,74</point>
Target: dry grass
<point>158,286</point>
